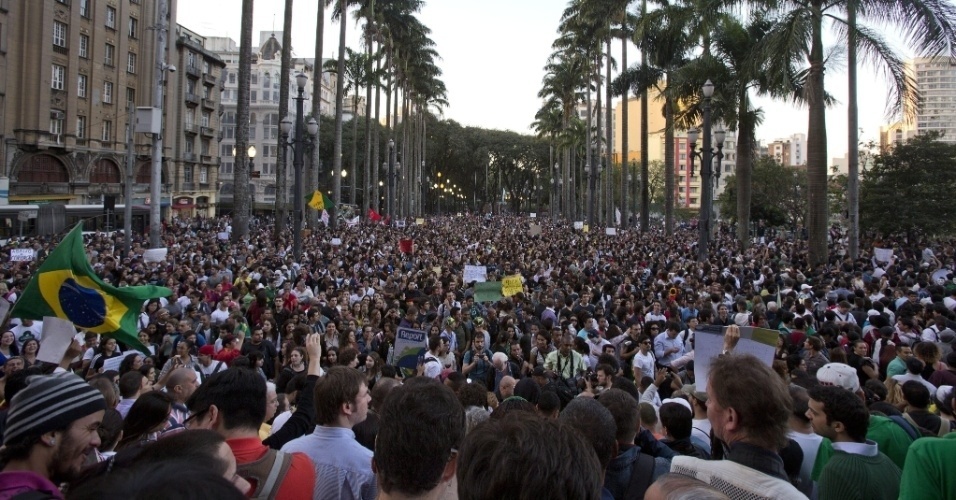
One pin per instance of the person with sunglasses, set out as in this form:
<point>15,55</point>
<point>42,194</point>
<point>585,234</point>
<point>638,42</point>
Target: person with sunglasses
<point>643,359</point>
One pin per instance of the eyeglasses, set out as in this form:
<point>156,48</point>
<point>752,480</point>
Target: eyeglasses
<point>194,417</point>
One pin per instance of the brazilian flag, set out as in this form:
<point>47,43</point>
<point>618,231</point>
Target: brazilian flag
<point>319,201</point>
<point>66,287</point>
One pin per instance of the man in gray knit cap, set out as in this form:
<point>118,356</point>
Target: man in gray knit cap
<point>51,427</point>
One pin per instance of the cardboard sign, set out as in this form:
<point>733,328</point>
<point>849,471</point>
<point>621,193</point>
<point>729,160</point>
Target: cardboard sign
<point>476,273</point>
<point>489,291</point>
<point>23,255</point>
<point>420,222</point>
<point>610,231</point>
<point>155,255</point>
<point>579,225</point>
<point>511,285</point>
<point>336,242</point>
<point>223,236</point>
<point>409,344</point>
<point>534,215</point>
<point>709,342</point>
<point>535,229</point>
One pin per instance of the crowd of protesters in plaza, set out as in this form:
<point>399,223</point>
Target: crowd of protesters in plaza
<point>275,377</point>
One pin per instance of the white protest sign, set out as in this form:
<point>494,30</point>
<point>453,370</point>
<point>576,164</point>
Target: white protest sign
<point>114,363</point>
<point>223,236</point>
<point>579,225</point>
<point>476,273</point>
<point>336,241</point>
<point>22,254</point>
<point>610,231</point>
<point>57,336</point>
<point>155,255</point>
<point>533,215</point>
<point>399,223</point>
<point>709,343</point>
<point>883,254</point>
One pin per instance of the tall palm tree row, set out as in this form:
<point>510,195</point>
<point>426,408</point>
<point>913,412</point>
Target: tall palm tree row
<point>243,195</point>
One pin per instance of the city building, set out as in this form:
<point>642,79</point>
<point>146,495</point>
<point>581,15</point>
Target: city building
<point>789,151</point>
<point>896,133</point>
<point>71,76</point>
<point>936,81</point>
<point>264,135</point>
<point>688,187</point>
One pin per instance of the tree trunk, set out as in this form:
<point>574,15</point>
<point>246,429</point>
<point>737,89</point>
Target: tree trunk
<point>355,171</point>
<point>241,204</point>
<point>377,159</point>
<point>625,153</point>
<point>853,152</point>
<point>669,166</point>
<point>645,199</point>
<point>282,176</point>
<point>368,179</point>
<point>744,169</point>
<point>315,167</point>
<point>609,159</point>
<point>339,104</point>
<point>817,217</point>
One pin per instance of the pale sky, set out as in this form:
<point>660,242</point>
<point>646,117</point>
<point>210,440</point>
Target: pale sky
<point>493,52</point>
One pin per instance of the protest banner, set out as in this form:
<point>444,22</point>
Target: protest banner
<point>57,336</point>
<point>883,254</point>
<point>475,273</point>
<point>489,291</point>
<point>336,242</point>
<point>610,231</point>
<point>709,343</point>
<point>579,225</point>
<point>22,254</point>
<point>409,345</point>
<point>511,285</point>
<point>155,255</point>
<point>535,229</point>
<point>533,215</point>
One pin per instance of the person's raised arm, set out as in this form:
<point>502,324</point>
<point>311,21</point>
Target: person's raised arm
<point>303,420</point>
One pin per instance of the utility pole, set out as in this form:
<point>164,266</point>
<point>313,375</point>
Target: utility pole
<point>128,191</point>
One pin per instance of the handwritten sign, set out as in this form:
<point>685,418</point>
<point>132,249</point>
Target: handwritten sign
<point>155,255</point>
<point>223,236</point>
<point>336,242</point>
<point>57,337</point>
<point>489,291</point>
<point>533,215</point>
<point>579,225</point>
<point>610,231</point>
<point>476,273</point>
<point>22,254</point>
<point>511,285</point>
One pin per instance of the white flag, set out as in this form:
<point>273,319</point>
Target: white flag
<point>325,217</point>
<point>617,215</point>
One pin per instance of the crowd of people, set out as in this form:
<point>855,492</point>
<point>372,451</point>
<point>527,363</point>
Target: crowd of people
<point>269,376</point>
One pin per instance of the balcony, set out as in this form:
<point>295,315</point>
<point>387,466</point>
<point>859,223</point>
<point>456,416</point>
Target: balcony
<point>209,104</point>
<point>192,99</point>
<point>210,78</point>
<point>206,159</point>
<point>207,131</point>
<point>188,186</point>
<point>59,49</point>
<point>189,156</point>
<point>191,128</point>
<point>193,70</point>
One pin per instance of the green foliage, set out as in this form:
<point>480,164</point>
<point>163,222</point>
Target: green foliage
<point>911,189</point>
<point>777,196</point>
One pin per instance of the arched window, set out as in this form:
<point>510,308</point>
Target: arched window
<point>144,173</point>
<point>105,172</point>
<point>43,168</point>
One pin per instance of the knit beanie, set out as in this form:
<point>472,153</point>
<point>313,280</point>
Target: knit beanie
<point>50,403</point>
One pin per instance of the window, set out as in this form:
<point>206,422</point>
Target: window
<point>133,28</point>
<point>254,78</point>
<point>107,132</point>
<point>108,56</point>
<point>85,8</point>
<point>265,95</point>
<point>252,132</point>
<point>191,60</point>
<point>85,46</point>
<point>130,98</point>
<point>204,147</point>
<point>107,92</point>
<point>225,150</point>
<point>190,87</point>
<point>206,91</point>
<point>80,127</point>
<point>190,117</point>
<point>58,81</point>
<point>266,81</point>
<point>111,17</point>
<point>204,175</point>
<point>226,168</point>
<point>253,96</point>
<point>189,147</point>
<point>81,86</point>
<point>59,34</point>
<point>131,63</point>
<point>232,77</point>
<point>188,173</point>
<point>56,122</point>
<point>204,119</point>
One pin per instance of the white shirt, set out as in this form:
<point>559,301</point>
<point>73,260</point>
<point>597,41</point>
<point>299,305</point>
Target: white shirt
<point>701,429</point>
<point>645,363</point>
<point>219,316</point>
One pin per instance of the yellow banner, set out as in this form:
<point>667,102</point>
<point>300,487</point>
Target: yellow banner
<point>511,285</point>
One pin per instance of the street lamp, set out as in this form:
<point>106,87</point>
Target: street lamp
<point>299,145</point>
<point>393,168</point>
<point>593,172</point>
<point>707,156</point>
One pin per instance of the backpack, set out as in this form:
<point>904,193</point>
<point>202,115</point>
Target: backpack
<point>266,473</point>
<point>642,475</point>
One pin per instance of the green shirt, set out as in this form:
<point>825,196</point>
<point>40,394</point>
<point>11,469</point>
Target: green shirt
<point>849,476</point>
<point>891,439</point>
<point>928,474</point>
<point>895,367</point>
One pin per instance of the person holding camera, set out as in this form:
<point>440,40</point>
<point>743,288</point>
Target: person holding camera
<point>565,363</point>
<point>476,363</point>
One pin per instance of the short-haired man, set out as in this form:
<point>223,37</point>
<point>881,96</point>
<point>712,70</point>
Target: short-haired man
<point>633,469</point>
<point>564,362</point>
<point>431,365</point>
<point>667,346</point>
<point>927,474</point>
<point>180,386</point>
<point>50,430</point>
<point>131,386</point>
<point>233,403</point>
<point>857,468</point>
<point>748,406</point>
<point>341,402</point>
<point>421,419</point>
<point>495,456</point>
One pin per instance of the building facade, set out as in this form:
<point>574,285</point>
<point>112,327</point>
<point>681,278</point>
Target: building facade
<point>789,151</point>
<point>936,81</point>
<point>264,133</point>
<point>73,72</point>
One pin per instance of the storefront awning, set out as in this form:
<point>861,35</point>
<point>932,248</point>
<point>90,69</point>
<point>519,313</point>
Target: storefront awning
<point>182,206</point>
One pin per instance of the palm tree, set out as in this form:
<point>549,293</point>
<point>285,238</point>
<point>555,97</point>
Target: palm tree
<point>927,26</point>
<point>339,13</point>
<point>242,194</point>
<point>281,157</point>
<point>354,78</point>
<point>564,76</point>
<point>314,165</point>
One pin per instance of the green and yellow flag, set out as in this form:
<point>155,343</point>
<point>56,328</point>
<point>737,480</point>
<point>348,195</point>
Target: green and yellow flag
<point>66,287</point>
<point>319,201</point>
